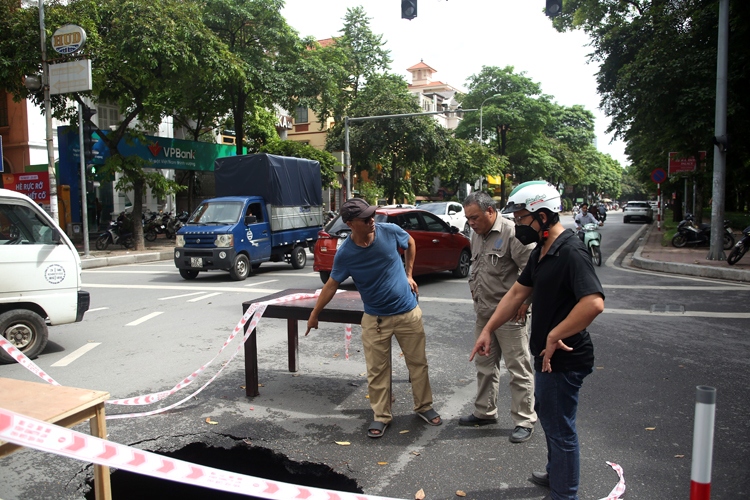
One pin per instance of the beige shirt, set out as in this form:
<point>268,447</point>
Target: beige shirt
<point>496,261</point>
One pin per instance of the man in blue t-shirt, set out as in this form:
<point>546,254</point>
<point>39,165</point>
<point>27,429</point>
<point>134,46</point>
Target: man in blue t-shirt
<point>370,256</point>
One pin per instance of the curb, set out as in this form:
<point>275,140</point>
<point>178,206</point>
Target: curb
<point>687,269</point>
<point>118,260</point>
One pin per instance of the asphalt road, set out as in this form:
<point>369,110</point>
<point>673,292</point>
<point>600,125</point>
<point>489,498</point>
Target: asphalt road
<point>147,329</point>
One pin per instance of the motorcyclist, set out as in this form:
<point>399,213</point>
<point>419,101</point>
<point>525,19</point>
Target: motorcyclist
<point>583,218</point>
<point>602,212</point>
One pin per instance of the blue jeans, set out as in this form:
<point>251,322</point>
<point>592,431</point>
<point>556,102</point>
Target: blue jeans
<point>556,405</point>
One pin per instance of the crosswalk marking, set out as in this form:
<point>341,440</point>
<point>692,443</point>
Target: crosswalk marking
<point>76,354</point>
<point>145,318</point>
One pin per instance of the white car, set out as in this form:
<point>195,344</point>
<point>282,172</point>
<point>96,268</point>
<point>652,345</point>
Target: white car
<point>451,212</point>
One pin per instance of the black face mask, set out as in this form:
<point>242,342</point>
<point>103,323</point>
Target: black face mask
<point>527,235</point>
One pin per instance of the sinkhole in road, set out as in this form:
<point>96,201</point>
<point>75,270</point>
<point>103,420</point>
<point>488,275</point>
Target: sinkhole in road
<point>241,459</point>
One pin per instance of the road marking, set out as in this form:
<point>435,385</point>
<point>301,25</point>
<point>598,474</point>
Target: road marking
<point>97,309</point>
<point>76,354</point>
<point>262,282</point>
<point>106,270</point>
<point>203,297</point>
<point>145,318</point>
<point>703,288</point>
<point>181,296</point>
<point>183,288</point>
<point>611,261</point>
<point>690,314</point>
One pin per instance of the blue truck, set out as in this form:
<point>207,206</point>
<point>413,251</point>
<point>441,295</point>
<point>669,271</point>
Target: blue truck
<point>268,208</point>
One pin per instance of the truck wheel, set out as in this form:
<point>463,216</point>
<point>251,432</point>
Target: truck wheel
<point>26,330</point>
<point>299,257</point>
<point>102,242</point>
<point>324,275</point>
<point>241,268</point>
<point>464,262</point>
<point>188,274</point>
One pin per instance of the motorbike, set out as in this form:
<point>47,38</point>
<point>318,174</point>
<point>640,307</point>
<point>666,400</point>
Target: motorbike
<point>689,234</point>
<point>592,239</point>
<point>740,247</point>
<point>157,225</point>
<point>116,234</point>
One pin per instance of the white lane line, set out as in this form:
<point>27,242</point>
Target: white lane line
<point>97,309</point>
<point>611,261</point>
<point>76,354</point>
<point>107,270</point>
<point>262,282</point>
<point>704,288</point>
<point>145,318</point>
<point>181,296</point>
<point>203,297</point>
<point>183,288</point>
<point>687,314</point>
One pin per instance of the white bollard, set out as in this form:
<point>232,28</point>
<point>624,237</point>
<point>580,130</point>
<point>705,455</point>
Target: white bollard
<point>703,443</point>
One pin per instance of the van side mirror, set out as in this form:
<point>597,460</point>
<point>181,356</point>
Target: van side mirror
<point>250,219</point>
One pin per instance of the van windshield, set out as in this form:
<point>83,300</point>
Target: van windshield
<point>21,225</point>
<point>217,212</point>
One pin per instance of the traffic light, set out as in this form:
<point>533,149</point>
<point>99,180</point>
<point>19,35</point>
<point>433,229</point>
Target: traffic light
<point>88,135</point>
<point>554,8</point>
<point>408,9</point>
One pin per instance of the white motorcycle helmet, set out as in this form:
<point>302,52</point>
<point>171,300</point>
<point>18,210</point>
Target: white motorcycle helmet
<point>532,196</point>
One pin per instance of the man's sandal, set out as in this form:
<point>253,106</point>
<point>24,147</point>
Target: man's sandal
<point>376,429</point>
<point>430,415</point>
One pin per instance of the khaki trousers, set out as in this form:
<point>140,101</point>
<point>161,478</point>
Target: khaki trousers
<point>510,342</point>
<point>409,332</point>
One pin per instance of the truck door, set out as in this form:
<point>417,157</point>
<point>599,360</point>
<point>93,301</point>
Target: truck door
<point>257,232</point>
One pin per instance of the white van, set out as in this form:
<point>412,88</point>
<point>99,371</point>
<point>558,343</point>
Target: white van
<point>40,275</point>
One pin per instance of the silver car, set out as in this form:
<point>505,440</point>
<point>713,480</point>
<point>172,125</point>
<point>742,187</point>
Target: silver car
<point>638,210</point>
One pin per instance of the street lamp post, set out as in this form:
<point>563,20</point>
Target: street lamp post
<point>480,114</point>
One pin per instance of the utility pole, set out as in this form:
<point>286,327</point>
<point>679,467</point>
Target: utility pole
<point>716,251</point>
<point>48,117</point>
<point>347,120</point>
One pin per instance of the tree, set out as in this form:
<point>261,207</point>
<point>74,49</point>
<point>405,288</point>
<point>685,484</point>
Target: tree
<point>299,150</point>
<point>403,147</point>
<point>657,78</point>
<point>269,50</point>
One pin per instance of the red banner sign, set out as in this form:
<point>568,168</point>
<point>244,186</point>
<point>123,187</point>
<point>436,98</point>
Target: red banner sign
<point>35,185</point>
<point>679,165</point>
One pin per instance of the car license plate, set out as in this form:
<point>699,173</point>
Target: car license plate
<point>196,262</point>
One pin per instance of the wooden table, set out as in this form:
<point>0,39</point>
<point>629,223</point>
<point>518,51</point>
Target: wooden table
<point>63,406</point>
<point>345,307</point>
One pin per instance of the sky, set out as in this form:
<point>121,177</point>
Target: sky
<point>458,37</point>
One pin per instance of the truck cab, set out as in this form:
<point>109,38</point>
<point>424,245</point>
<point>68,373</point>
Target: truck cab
<point>41,276</point>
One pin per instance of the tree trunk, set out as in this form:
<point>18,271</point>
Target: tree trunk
<point>138,215</point>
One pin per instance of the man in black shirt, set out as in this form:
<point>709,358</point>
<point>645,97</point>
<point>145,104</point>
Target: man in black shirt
<point>567,296</point>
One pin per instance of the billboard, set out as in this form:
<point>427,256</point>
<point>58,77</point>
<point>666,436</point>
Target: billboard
<point>35,185</point>
<point>679,165</point>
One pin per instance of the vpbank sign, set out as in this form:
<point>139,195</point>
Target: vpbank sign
<point>171,152</point>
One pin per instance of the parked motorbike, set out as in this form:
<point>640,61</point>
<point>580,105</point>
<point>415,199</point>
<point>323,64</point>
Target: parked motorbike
<point>593,239</point>
<point>159,224</point>
<point>116,234</point>
<point>689,234</point>
<point>740,248</point>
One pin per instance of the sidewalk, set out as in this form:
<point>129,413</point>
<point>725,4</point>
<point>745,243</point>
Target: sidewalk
<point>159,249</point>
<point>690,261</point>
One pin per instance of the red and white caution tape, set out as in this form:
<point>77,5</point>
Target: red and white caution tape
<point>619,489</point>
<point>255,311</point>
<point>33,433</point>
<point>24,361</point>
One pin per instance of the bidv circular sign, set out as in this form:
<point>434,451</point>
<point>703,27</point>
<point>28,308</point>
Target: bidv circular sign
<point>68,39</point>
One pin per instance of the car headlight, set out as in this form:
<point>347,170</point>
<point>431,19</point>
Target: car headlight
<point>180,241</point>
<point>224,241</point>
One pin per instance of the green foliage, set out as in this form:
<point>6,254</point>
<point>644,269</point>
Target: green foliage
<point>370,192</point>
<point>404,147</point>
<point>299,150</point>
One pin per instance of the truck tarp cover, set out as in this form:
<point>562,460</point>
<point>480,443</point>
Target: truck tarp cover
<point>280,180</point>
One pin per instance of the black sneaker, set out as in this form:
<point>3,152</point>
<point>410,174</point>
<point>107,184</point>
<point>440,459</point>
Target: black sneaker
<point>472,421</point>
<point>520,434</point>
<point>540,478</point>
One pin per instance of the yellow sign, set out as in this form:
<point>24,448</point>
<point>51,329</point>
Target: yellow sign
<point>495,179</point>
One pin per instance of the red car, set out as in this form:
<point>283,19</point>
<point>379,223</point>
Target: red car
<point>440,247</point>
